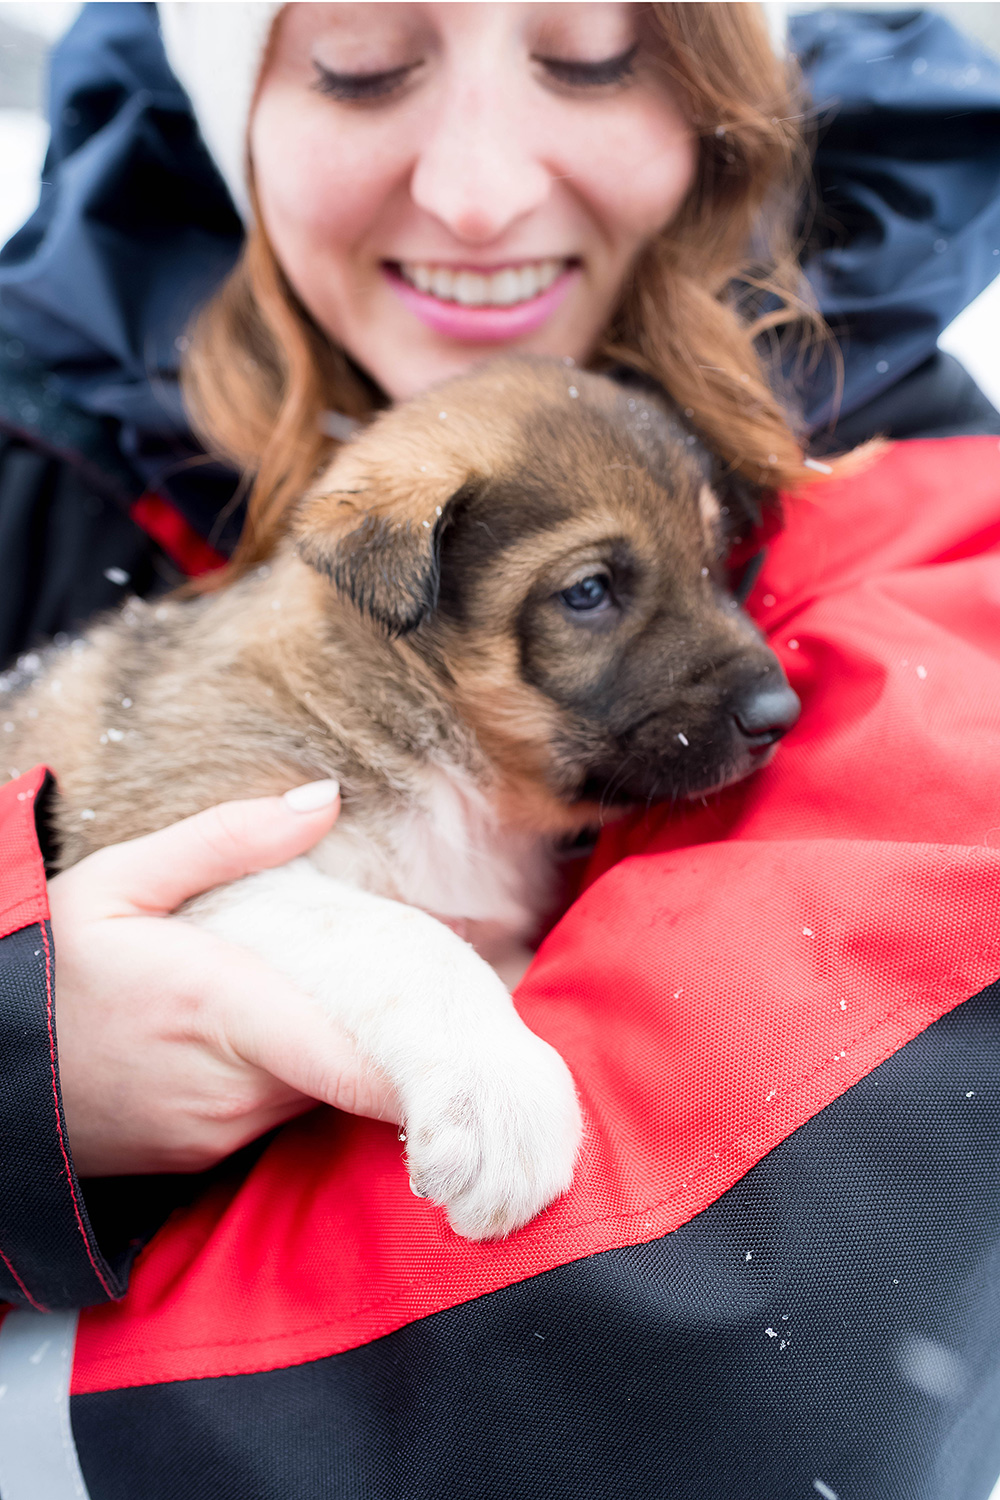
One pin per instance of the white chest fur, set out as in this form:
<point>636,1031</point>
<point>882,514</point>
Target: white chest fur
<point>449,854</point>
<point>492,1120</point>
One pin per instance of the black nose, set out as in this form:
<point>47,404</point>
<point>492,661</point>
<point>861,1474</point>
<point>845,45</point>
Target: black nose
<point>765,712</point>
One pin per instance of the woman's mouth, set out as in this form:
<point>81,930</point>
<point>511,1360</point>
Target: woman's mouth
<point>501,288</point>
<point>483,304</point>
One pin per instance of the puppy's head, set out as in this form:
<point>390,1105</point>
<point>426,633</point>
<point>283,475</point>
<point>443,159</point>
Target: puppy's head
<point>555,546</point>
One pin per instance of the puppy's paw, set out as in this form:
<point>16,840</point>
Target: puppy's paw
<point>494,1141</point>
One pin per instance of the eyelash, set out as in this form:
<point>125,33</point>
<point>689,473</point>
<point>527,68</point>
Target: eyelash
<point>361,87</point>
<point>592,75</point>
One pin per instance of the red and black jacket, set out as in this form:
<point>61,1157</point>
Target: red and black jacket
<point>776,1274</point>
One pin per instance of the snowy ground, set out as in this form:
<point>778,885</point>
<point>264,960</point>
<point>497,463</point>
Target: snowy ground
<point>974,338</point>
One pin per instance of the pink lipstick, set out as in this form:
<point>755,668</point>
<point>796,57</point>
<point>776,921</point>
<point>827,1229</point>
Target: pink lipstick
<point>481,325</point>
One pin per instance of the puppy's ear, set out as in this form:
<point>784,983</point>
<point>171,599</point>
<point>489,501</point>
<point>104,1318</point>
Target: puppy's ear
<point>744,517</point>
<point>373,526</point>
<point>740,502</point>
<point>744,504</point>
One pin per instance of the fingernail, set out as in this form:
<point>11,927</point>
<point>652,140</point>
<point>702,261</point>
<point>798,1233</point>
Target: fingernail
<point>312,796</point>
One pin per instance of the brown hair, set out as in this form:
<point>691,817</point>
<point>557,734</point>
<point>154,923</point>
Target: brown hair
<point>260,373</point>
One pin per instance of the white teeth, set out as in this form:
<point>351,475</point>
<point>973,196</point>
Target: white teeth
<point>473,289</point>
<point>470,289</point>
<point>505,287</point>
<point>528,282</point>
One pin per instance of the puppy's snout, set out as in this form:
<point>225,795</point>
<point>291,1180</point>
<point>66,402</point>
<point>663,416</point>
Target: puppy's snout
<point>766,710</point>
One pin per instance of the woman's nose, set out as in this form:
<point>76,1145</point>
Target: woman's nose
<point>478,172</point>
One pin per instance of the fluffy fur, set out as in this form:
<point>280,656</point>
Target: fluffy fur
<point>420,637</point>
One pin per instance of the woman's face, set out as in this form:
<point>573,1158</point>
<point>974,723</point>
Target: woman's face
<point>445,181</point>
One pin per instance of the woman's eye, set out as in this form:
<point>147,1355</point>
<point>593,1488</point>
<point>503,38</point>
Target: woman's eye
<point>360,86</point>
<point>589,594</point>
<point>582,75</point>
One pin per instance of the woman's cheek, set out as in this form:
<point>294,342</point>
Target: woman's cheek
<point>636,174</point>
<point>661,183</point>
<point>327,184</point>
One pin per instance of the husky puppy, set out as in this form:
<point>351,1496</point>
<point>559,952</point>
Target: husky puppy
<point>501,615</point>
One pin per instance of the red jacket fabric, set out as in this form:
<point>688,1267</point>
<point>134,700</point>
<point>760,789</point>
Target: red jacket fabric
<point>735,979</point>
<point>726,974</point>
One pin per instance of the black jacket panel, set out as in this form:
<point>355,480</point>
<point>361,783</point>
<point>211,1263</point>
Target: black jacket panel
<point>49,1255</point>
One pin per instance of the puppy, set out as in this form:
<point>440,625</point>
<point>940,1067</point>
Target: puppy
<point>502,614</point>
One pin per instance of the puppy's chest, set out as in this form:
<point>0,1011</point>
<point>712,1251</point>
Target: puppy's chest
<point>448,854</point>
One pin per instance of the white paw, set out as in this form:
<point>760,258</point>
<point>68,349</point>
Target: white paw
<point>494,1141</point>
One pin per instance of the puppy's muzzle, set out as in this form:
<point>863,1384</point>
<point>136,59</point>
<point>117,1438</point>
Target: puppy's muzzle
<point>765,711</point>
<point>719,726</point>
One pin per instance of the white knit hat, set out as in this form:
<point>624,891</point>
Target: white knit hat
<point>216,48</point>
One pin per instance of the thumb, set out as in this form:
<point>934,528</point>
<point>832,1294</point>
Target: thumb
<point>268,1022</point>
<point>157,873</point>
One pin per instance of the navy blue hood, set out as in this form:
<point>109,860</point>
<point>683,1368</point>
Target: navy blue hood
<point>135,228</point>
<point>907,225</point>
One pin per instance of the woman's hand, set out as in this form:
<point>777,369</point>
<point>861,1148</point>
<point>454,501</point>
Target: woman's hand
<point>175,1048</point>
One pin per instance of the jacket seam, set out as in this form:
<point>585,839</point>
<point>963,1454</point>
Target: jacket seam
<point>59,1128</point>
<point>27,1295</point>
<point>703,1168</point>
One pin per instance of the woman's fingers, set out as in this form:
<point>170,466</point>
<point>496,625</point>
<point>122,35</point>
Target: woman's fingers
<point>266,1021</point>
<point>195,1043</point>
<point>295,1042</point>
<point>156,874</point>
<point>176,1048</point>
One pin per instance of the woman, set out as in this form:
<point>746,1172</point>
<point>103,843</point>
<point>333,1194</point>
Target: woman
<point>408,163</point>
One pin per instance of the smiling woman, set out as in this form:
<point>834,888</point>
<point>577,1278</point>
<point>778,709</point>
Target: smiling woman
<point>774,1274</point>
<point>438,179</point>
<point>435,183</point>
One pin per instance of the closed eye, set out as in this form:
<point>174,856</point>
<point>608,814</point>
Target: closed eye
<point>359,87</point>
<point>362,87</point>
<point>583,75</point>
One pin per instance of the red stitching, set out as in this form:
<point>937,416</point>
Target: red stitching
<point>36,1305</point>
<point>400,1292</point>
<point>37,891</point>
<point>55,1099</point>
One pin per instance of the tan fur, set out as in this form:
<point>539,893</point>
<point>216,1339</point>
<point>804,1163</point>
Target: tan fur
<point>246,693</point>
<point>502,615</point>
<point>171,707</point>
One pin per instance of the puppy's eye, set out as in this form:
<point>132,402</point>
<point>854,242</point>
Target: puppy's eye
<point>589,594</point>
